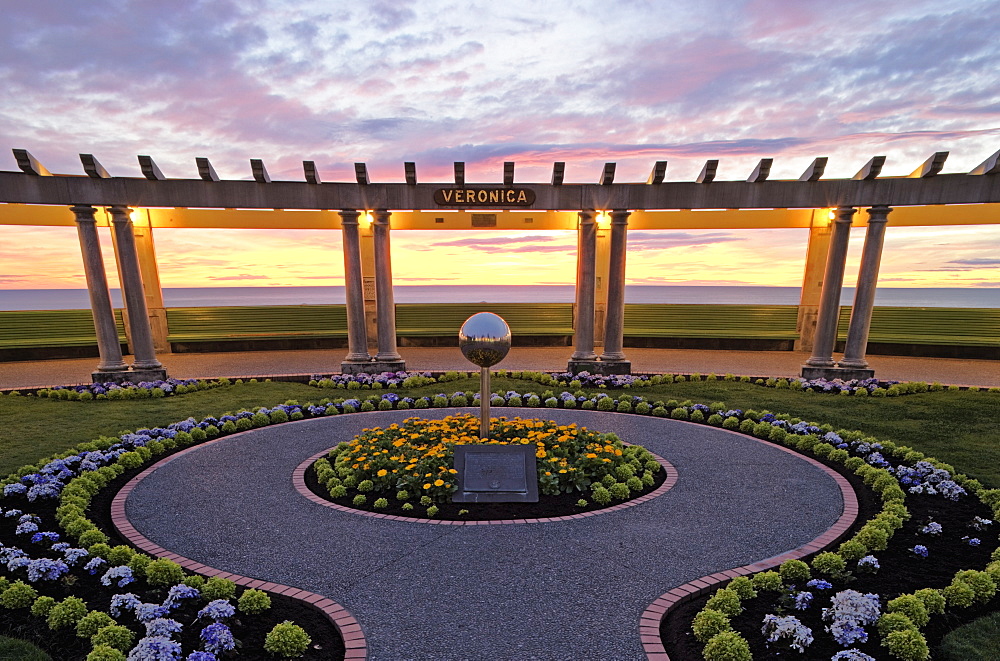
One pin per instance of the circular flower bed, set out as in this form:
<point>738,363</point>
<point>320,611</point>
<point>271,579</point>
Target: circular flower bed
<point>409,469</point>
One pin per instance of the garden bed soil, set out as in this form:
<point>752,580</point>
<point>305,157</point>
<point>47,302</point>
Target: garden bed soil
<point>564,504</point>
<point>64,645</point>
<point>902,571</point>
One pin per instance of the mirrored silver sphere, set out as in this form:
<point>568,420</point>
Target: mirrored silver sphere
<point>484,339</point>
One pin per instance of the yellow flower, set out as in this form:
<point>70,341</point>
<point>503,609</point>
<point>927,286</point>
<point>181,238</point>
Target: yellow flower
<point>439,483</point>
<point>591,455</point>
<point>382,473</point>
<point>427,486</point>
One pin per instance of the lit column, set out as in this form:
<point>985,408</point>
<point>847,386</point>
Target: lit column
<point>833,281</point>
<point>385,304</point>
<point>357,338</point>
<point>614,320</point>
<point>108,346</point>
<point>864,295</point>
<point>817,250</point>
<point>140,334</point>
<point>583,334</point>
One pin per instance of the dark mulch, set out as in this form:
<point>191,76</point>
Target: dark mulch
<point>901,572</point>
<point>565,504</point>
<point>63,645</point>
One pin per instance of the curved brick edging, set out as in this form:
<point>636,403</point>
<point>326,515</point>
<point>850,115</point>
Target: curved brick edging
<point>299,481</point>
<point>650,620</point>
<point>355,644</point>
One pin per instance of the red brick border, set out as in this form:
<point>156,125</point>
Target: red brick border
<point>649,621</point>
<point>355,644</point>
<point>299,482</point>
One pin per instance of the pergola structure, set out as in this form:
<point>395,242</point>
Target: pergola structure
<point>600,212</point>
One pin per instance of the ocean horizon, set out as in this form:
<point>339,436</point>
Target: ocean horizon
<point>71,299</point>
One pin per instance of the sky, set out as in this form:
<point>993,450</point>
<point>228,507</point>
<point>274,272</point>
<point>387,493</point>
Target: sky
<point>434,82</point>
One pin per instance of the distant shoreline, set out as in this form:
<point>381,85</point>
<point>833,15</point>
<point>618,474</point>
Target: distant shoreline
<point>68,299</point>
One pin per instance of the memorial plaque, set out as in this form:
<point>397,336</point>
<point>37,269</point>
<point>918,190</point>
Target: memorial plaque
<point>496,474</point>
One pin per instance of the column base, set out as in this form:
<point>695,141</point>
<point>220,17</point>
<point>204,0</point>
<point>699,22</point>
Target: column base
<point>393,365</point>
<point>830,373</point>
<point>132,376</point>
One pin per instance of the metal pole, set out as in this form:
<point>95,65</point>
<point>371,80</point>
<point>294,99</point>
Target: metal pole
<point>484,402</point>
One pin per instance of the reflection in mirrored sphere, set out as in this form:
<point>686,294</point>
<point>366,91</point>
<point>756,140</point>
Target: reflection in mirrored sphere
<point>484,339</point>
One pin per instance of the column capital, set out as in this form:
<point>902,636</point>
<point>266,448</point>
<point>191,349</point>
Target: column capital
<point>620,216</point>
<point>878,213</point>
<point>845,214</point>
<point>83,212</point>
<point>349,216</point>
<point>381,217</point>
<point>587,216</point>
<point>120,213</point>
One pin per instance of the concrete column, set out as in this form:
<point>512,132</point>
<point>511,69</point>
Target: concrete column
<point>367,238</point>
<point>614,324</point>
<point>108,346</point>
<point>833,281</point>
<point>864,295</point>
<point>143,233</point>
<point>388,358</point>
<point>357,338</point>
<point>602,259</point>
<point>817,249</point>
<point>146,365</point>
<point>583,357</point>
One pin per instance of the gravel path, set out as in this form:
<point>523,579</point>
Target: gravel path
<point>563,590</point>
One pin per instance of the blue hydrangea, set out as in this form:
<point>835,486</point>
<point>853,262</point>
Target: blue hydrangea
<point>920,550</point>
<point>46,569</point>
<point>869,562</point>
<point>155,648</point>
<point>72,555</point>
<point>121,575</point>
<point>26,528</point>
<point>802,600</point>
<point>16,487</point>
<point>218,638</point>
<point>931,528</point>
<point>819,584</point>
<point>39,537</point>
<point>162,626</point>
<point>146,612</point>
<point>121,603</point>
<point>220,609</point>
<point>179,592</point>
<point>94,565</point>
<point>202,656</point>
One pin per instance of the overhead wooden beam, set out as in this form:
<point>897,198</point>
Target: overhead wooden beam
<point>149,169</point>
<point>658,172</point>
<point>990,166</point>
<point>459,173</point>
<point>311,172</point>
<point>558,172</point>
<point>707,175</point>
<point>871,170</point>
<point>93,167</point>
<point>361,174</point>
<point>815,169</point>
<point>761,172</point>
<point>205,169</point>
<point>29,164</point>
<point>410,171</point>
<point>508,173</point>
<point>931,166</point>
<point>259,171</point>
<point>608,174</point>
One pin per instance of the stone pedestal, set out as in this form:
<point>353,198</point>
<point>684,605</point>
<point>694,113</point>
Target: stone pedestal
<point>577,366</point>
<point>830,373</point>
<point>372,366</point>
<point>609,367</point>
<point>132,376</point>
<point>605,367</point>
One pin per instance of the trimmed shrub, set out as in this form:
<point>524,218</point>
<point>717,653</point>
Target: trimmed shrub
<point>287,640</point>
<point>911,606</point>
<point>794,572</point>
<point>253,601</point>
<point>218,588</point>
<point>767,581</point>
<point>908,645</point>
<point>105,653</point>
<point>67,613</point>
<point>725,601</point>
<point>164,573</point>
<point>743,586</point>
<point>829,564</point>
<point>114,636</point>
<point>18,595</point>
<point>93,622</point>
<point>727,646</point>
<point>709,623</point>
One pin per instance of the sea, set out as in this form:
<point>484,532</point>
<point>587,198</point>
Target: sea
<point>70,299</point>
